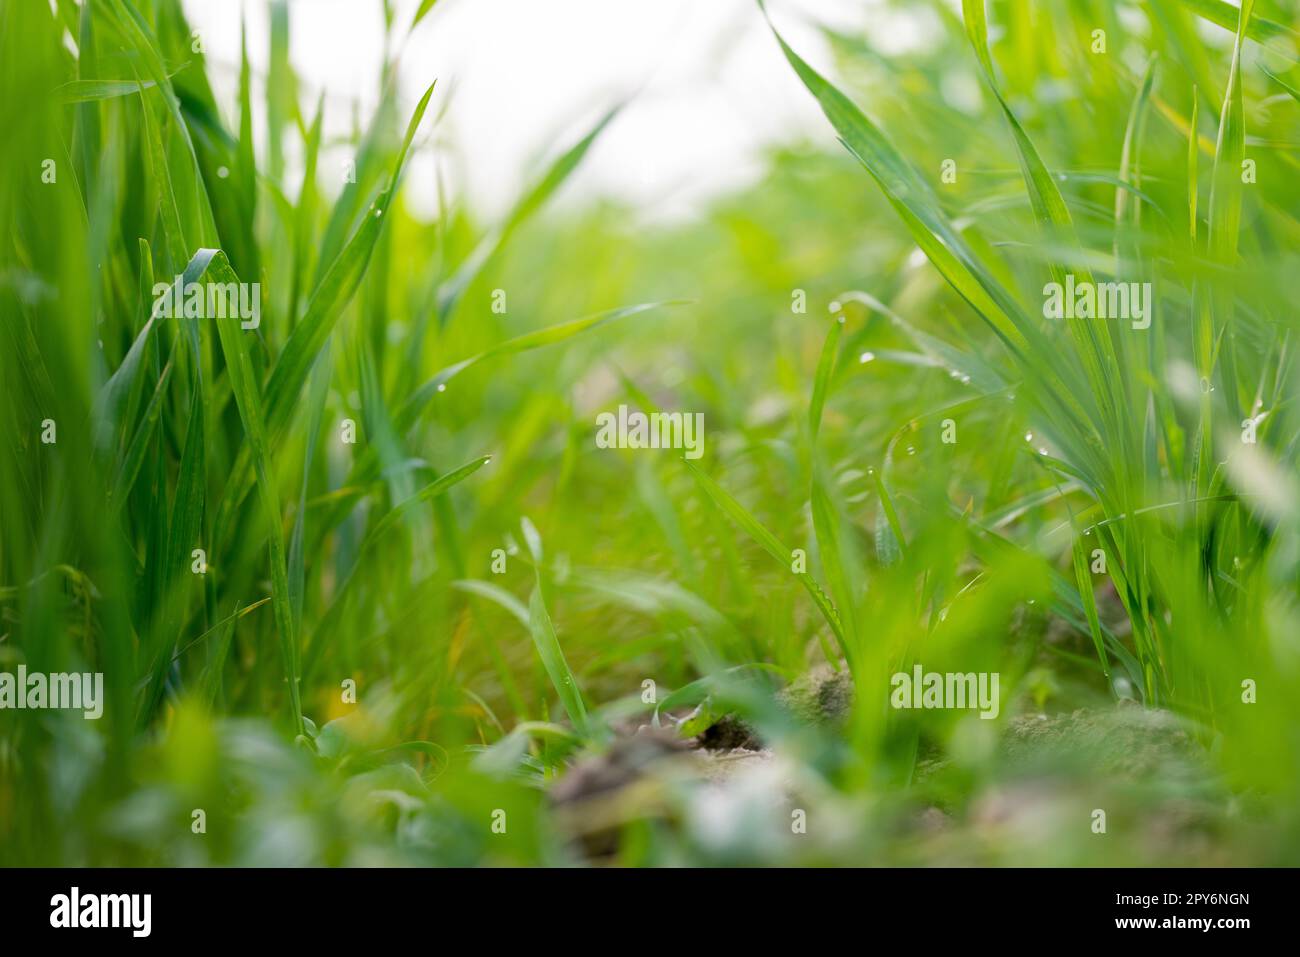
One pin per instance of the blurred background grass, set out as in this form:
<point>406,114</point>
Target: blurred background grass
<point>1122,690</point>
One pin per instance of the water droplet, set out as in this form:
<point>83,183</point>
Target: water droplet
<point>835,306</point>
<point>1029,436</point>
<point>378,213</point>
<point>866,357</point>
<point>222,172</point>
<point>1042,451</point>
<point>442,387</point>
<point>911,450</point>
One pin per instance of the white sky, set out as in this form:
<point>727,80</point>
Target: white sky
<point>519,79</point>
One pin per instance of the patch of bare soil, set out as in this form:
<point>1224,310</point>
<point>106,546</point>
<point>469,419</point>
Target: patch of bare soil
<point>1141,764</point>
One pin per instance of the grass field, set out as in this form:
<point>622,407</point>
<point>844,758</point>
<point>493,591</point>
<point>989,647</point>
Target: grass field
<point>1001,385</point>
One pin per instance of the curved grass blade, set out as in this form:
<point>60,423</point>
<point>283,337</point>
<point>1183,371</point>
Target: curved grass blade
<point>325,628</point>
<point>914,202</point>
<point>413,406</point>
<point>434,488</point>
<point>770,544</point>
<point>557,668</point>
<point>449,293</point>
<point>1227,15</point>
<point>548,645</point>
<point>1295,93</point>
<point>495,594</point>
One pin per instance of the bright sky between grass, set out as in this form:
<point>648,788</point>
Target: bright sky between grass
<point>519,77</point>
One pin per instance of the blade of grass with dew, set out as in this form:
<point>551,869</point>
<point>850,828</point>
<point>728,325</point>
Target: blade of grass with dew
<point>346,211</point>
<point>982,375</point>
<point>914,202</point>
<point>437,487</point>
<point>332,295</point>
<point>1096,349</point>
<point>308,336</point>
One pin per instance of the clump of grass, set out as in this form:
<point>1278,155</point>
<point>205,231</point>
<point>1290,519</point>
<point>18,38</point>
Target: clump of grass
<point>350,651</point>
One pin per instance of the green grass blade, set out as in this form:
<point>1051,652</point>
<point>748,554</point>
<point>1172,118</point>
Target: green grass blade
<point>243,383</point>
<point>915,204</point>
<point>770,544</point>
<point>330,298</point>
<point>821,382</point>
<point>548,645</point>
<point>450,292</point>
<point>421,397</point>
<point>1225,210</point>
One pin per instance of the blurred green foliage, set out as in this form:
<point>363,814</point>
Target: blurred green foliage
<point>827,352</point>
